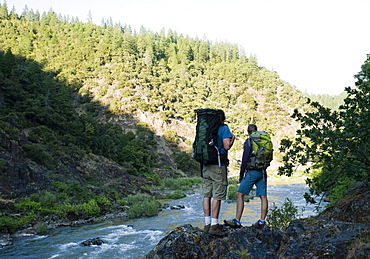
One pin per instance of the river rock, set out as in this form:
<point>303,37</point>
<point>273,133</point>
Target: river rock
<point>177,207</point>
<point>5,240</point>
<point>93,241</point>
<point>338,232</point>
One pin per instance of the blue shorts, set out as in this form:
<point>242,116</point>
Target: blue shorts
<point>253,178</point>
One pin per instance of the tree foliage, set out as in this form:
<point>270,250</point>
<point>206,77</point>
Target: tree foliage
<point>335,145</point>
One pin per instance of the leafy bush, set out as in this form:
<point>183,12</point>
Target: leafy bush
<point>170,183</point>
<point>233,180</point>
<point>41,228</point>
<point>143,209</point>
<point>72,197</point>
<point>133,199</point>
<point>38,154</point>
<point>177,194</point>
<point>9,223</point>
<point>12,223</point>
<point>231,192</point>
<point>280,218</point>
<point>171,137</point>
<point>28,203</point>
<point>90,208</point>
<point>102,200</point>
<point>188,182</point>
<point>185,162</point>
<point>180,183</point>
<point>42,134</point>
<point>342,186</point>
<point>141,205</point>
<point>243,254</point>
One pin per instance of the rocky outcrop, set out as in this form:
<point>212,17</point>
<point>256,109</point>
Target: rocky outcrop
<point>338,232</point>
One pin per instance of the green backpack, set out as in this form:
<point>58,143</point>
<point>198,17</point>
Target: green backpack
<point>205,149</point>
<point>262,153</point>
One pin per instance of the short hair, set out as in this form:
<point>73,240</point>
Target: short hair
<point>251,128</point>
<point>222,115</point>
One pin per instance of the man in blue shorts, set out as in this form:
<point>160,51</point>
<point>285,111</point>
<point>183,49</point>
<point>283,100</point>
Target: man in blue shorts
<point>252,177</point>
<point>215,182</point>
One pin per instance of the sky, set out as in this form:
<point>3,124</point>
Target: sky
<point>315,45</point>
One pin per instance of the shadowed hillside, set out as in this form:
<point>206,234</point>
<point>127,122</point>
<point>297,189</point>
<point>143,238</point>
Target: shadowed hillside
<point>102,112</point>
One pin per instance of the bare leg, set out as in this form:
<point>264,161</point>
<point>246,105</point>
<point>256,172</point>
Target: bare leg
<point>239,205</point>
<point>264,207</point>
<point>216,205</point>
<point>207,206</point>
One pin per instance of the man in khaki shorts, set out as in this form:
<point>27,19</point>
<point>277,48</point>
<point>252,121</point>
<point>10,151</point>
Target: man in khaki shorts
<point>215,183</point>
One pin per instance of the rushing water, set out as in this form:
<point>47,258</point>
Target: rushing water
<point>135,238</point>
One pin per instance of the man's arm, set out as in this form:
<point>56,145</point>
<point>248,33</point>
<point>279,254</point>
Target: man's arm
<point>228,142</point>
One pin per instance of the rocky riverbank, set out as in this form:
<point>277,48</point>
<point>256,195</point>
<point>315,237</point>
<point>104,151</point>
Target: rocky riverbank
<point>51,223</point>
<point>7,239</point>
<point>341,231</point>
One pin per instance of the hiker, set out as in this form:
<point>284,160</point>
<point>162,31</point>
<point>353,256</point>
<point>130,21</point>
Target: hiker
<point>251,177</point>
<point>214,187</point>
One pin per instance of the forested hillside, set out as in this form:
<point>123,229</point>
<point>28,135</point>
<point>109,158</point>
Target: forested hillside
<point>91,106</point>
<point>165,74</point>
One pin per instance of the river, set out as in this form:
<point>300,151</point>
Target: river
<point>134,238</point>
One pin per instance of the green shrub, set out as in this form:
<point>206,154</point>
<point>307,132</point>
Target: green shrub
<point>28,204</point>
<point>102,200</point>
<point>180,183</point>
<point>41,228</point>
<point>231,193</point>
<point>280,218</point>
<point>185,162</point>
<point>187,183</point>
<point>37,154</point>
<point>140,205</point>
<point>42,134</point>
<point>65,208</point>
<point>343,185</point>
<point>177,194</point>
<point>134,199</point>
<point>154,177</point>
<point>74,191</point>
<point>90,208</point>
<point>142,126</point>
<point>26,219</point>
<point>143,209</point>
<point>233,180</point>
<point>44,211</point>
<point>47,199</point>
<point>170,183</point>
<point>243,254</point>
<point>113,193</point>
<point>170,136</point>
<point>8,222</point>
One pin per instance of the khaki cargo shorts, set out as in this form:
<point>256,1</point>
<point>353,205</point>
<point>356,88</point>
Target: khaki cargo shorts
<point>214,182</point>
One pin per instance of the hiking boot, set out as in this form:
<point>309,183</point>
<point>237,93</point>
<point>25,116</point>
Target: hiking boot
<point>215,230</point>
<point>206,228</point>
<point>232,223</point>
<point>262,226</point>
